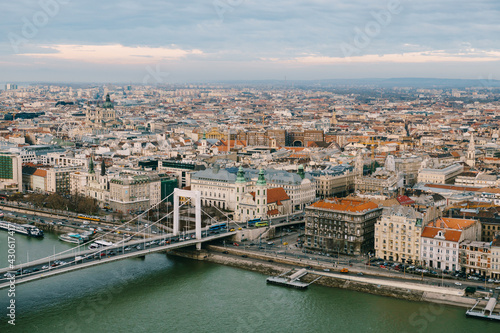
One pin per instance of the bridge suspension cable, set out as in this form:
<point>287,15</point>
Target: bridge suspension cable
<point>109,232</point>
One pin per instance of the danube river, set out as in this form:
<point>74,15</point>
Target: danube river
<point>170,294</point>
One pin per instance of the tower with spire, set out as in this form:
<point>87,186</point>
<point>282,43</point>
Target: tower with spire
<point>103,167</point>
<point>240,188</point>
<point>471,153</point>
<point>261,194</point>
<point>91,165</point>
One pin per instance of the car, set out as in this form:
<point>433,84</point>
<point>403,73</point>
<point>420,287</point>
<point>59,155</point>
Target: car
<point>458,284</point>
<point>231,230</point>
<point>45,267</point>
<point>326,270</point>
<point>8,275</point>
<point>382,266</point>
<point>244,256</point>
<point>360,274</point>
<point>225,252</point>
<point>36,269</point>
<point>270,243</point>
<point>102,254</point>
<point>236,244</point>
<point>138,247</point>
<point>344,270</point>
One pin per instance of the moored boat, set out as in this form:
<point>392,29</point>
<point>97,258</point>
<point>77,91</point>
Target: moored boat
<point>24,229</point>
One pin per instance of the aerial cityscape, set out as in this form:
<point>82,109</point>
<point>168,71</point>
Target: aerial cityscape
<point>246,166</point>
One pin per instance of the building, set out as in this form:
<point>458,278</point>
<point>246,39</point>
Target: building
<point>130,192</point>
<point>104,116</point>
<point>475,257</point>
<point>11,177</point>
<point>335,182</point>
<point>471,153</point>
<point>444,175</point>
<point>218,187</point>
<point>397,233</point>
<point>37,153</point>
<point>441,238</point>
<point>408,167</point>
<point>180,170</point>
<point>382,182</point>
<point>495,258</point>
<point>262,203</point>
<point>34,179</point>
<point>58,179</point>
<point>341,225</point>
<point>476,179</point>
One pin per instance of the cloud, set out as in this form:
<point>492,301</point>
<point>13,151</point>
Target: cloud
<point>113,54</point>
<point>252,34</point>
<point>410,57</point>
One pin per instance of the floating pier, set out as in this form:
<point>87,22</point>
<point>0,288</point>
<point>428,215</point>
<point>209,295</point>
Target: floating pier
<point>291,281</point>
<point>487,313</point>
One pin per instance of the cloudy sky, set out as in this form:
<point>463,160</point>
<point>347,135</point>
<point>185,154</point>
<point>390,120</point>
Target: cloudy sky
<point>167,41</point>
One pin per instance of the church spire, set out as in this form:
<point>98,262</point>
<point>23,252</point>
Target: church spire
<point>91,165</point>
<point>262,179</point>
<point>103,167</point>
<point>471,152</point>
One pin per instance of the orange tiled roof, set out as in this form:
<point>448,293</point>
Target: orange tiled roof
<point>451,227</point>
<point>273,212</point>
<point>277,195</point>
<point>346,205</point>
<point>453,187</point>
<point>40,173</point>
<point>449,235</point>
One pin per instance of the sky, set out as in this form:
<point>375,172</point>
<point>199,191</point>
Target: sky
<point>166,41</point>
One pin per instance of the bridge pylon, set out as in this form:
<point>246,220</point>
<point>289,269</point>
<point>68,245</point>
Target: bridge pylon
<point>196,195</point>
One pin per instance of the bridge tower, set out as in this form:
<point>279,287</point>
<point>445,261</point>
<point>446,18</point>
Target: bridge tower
<point>196,195</point>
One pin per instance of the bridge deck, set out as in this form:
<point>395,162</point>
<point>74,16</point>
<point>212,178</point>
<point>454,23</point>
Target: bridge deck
<point>91,261</point>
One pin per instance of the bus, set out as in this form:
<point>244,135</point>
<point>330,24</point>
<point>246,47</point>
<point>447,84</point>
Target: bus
<point>262,224</point>
<point>251,223</point>
<point>89,217</point>
<point>218,226</point>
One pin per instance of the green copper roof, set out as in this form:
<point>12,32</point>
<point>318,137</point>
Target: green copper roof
<point>262,179</point>
<point>301,171</point>
<point>108,104</point>
<point>91,166</point>
<point>240,176</point>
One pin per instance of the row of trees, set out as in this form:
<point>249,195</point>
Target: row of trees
<point>74,203</point>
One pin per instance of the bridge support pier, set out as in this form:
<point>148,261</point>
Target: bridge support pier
<point>198,246</point>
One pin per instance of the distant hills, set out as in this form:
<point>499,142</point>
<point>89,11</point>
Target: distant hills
<point>428,83</point>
